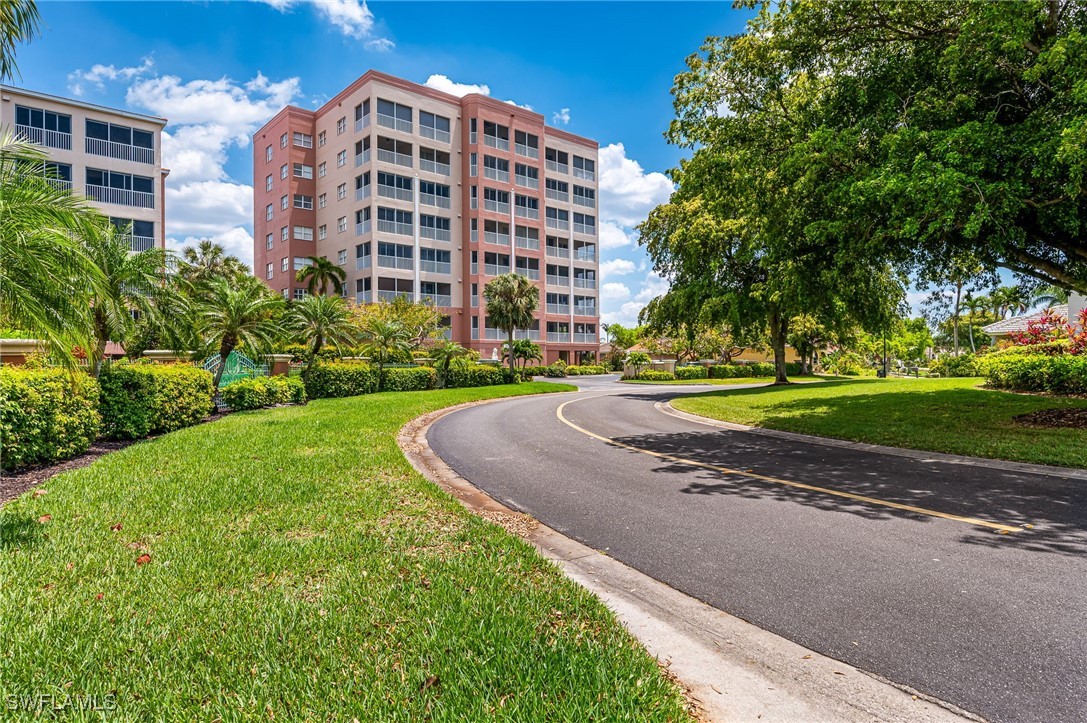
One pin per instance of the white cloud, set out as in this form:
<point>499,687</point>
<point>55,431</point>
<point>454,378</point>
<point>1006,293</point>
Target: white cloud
<point>614,291</point>
<point>353,18</point>
<point>561,117</point>
<point>612,235</point>
<point>616,267</point>
<point>240,108</point>
<point>218,210</point>
<point>626,313</point>
<point>80,80</point>
<point>627,192</point>
<point>444,84</point>
<point>235,241</point>
<point>381,45</point>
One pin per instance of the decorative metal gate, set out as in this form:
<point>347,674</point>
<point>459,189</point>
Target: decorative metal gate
<point>238,366</point>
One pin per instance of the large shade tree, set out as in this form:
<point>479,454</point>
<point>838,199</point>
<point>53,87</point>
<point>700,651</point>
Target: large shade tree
<point>511,301</point>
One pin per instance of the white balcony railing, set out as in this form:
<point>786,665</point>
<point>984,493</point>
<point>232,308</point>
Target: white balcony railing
<point>586,202</point>
<point>527,151</point>
<point>53,139</point>
<point>436,267</point>
<point>121,151</point>
<point>362,123</point>
<point>556,195</point>
<point>442,169</point>
<point>584,310</point>
<point>120,196</point>
<point>585,229</point>
<point>558,336</point>
<point>530,334</point>
<point>362,158</point>
<point>533,274</point>
<point>136,244</point>
<point>393,262</point>
<point>496,269</point>
<point>400,159</point>
<point>558,309</point>
<point>436,134</point>
<point>391,295</point>
<point>362,193</point>
<point>401,229</point>
<point>526,181</point>
<point>525,212</point>
<point>523,242</point>
<point>557,167</point>
<point>446,331</point>
<point>497,206</point>
<point>363,262</point>
<point>585,254</point>
<point>363,227</point>
<point>558,280</point>
<point>558,253</point>
<point>558,223</point>
<point>388,121</point>
<point>493,334</point>
<point>495,142</point>
<point>430,199</point>
<point>439,299</point>
<point>582,173</point>
<point>492,237</point>
<point>362,297</point>
<point>585,338</point>
<point>496,174</point>
<point>437,234</point>
<point>581,282</point>
<point>59,184</point>
<point>400,194</point>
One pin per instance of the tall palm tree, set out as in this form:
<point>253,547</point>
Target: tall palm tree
<point>511,300</point>
<point>320,274</point>
<point>445,355</point>
<point>317,320</point>
<point>19,21</point>
<point>132,281</point>
<point>383,341</point>
<point>209,260</point>
<point>46,277</point>
<point>231,315</point>
<point>1049,296</point>
<point>975,305</point>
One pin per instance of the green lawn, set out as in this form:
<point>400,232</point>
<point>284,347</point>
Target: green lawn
<point>941,415</point>
<point>300,569</point>
<point>722,382</point>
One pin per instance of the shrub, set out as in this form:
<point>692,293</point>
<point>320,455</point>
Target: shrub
<point>956,366</point>
<point>555,371</point>
<point>340,379</point>
<point>1037,373</point>
<point>475,375</point>
<point>263,392</point>
<point>584,369</point>
<point>141,399</point>
<point>737,371</point>
<point>691,373</point>
<point>45,416</point>
<point>410,379</point>
<point>656,375</point>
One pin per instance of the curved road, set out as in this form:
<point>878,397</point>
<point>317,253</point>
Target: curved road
<point>895,565</point>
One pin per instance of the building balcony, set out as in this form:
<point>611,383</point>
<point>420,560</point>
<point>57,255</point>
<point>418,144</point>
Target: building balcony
<point>530,334</point>
<point>400,194</point>
<point>442,169</point>
<point>563,281</point>
<point>400,159</point>
<point>362,158</point>
<point>136,244</point>
<point>43,137</point>
<point>496,206</point>
<point>362,297</point>
<point>585,338</point>
<point>494,334</point>
<point>501,144</point>
<point>439,299</point>
<point>399,124</point>
<point>584,283</point>
<point>363,227</point>
<point>429,199</point>
<point>563,309</point>
<point>435,234</point>
<point>434,133</point>
<point>362,123</point>
<point>501,239</point>
<point>436,267</point>
<point>59,183</point>
<point>584,311</point>
<point>120,196</point>
<point>585,229</point>
<point>584,254</point>
<point>558,224</point>
<point>394,262</point>
<point>446,331</point>
<point>555,195</point>
<point>396,227</point>
<point>523,242</point>
<point>533,274</point>
<point>558,253</point>
<point>527,151</point>
<point>391,295</point>
<point>496,175</point>
<point>526,181</point>
<point>362,194</point>
<point>495,269</point>
<point>363,262</point>
<point>560,337</point>
<point>557,167</point>
<point>523,212</point>
<point>583,174</point>
<point>120,151</point>
<point>586,202</point>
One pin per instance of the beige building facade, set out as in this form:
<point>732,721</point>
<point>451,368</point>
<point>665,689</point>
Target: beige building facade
<point>112,157</point>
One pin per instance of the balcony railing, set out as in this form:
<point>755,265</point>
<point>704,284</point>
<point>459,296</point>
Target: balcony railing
<point>391,295</point>
<point>557,167</point>
<point>585,229</point>
<point>558,223</point>
<point>556,195</point>
<point>584,310</point>
<point>580,282</point>
<point>363,227</point>
<point>136,244</point>
<point>400,194</point>
<point>558,336</point>
<point>430,199</point>
<point>526,181</point>
<point>438,299</point>
<point>59,183</point>
<point>496,269</point>
<point>530,334</point>
<point>558,308</point>
<point>523,242</point>
<point>388,121</point>
<point>582,173</point>
<point>363,262</point>
<point>525,212</point>
<point>397,227</point>
<point>53,139</point>
<point>400,159</point>
<point>527,151</point>
<point>362,158</point>
<point>120,196</point>
<point>585,338</point>
<point>446,331</point>
<point>492,237</point>
<point>496,174</point>
<point>497,206</point>
<point>489,333</point>
<point>558,280</point>
<point>442,169</point>
<point>122,151</point>
<point>558,252</point>
<point>393,262</point>
<point>501,144</point>
<point>437,234</point>
<point>585,254</point>
<point>586,202</point>
<point>362,123</point>
<point>362,297</point>
<point>436,267</point>
<point>533,274</point>
<point>438,135</point>
<point>362,193</point>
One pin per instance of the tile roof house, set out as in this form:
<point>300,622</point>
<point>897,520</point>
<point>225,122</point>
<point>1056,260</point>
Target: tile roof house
<point>1006,327</point>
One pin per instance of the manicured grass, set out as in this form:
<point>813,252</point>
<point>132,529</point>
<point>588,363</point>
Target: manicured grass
<point>722,382</point>
<point>941,415</point>
<point>300,569</point>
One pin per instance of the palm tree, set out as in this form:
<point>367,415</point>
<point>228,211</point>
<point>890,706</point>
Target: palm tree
<point>321,273</point>
<point>209,260</point>
<point>317,320</point>
<point>974,305</point>
<point>132,282</point>
<point>383,341</point>
<point>46,277</point>
<point>511,300</point>
<point>445,355</point>
<point>231,315</point>
<point>19,22</point>
<point>1049,296</point>
<point>524,351</point>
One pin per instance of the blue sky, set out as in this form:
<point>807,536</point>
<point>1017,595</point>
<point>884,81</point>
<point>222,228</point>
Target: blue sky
<point>218,70</point>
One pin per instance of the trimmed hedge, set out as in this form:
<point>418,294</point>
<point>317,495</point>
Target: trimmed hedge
<point>475,375</point>
<point>45,416</point>
<point>340,379</point>
<point>263,392</point>
<point>141,399</point>
<point>656,375</point>
<point>757,369</point>
<point>691,373</point>
<point>966,365</point>
<point>555,371</point>
<point>1037,373</point>
<point>584,370</point>
<point>409,379</point>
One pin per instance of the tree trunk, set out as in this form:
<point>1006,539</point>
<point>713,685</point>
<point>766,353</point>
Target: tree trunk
<point>513,369</point>
<point>970,330</point>
<point>958,297</point>
<point>100,346</point>
<point>779,330</point>
<point>225,348</point>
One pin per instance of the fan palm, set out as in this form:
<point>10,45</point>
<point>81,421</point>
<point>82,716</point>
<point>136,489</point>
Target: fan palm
<point>131,281</point>
<point>231,315</point>
<point>320,274</point>
<point>1050,296</point>
<point>511,300</point>
<point>317,320</point>
<point>384,341</point>
<point>209,260</point>
<point>524,351</point>
<point>445,355</point>
<point>46,277</point>
<point>19,22</point>
<point>975,305</point>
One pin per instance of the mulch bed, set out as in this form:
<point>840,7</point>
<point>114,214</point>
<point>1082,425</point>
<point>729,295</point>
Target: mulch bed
<point>1074,418</point>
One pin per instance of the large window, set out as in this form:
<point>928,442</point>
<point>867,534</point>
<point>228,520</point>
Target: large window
<point>584,168</point>
<point>434,194</point>
<point>433,126</point>
<point>394,115</point>
<point>303,140</point>
<point>119,141</point>
<point>394,256</point>
<point>44,127</point>
<point>391,220</point>
<point>435,261</point>
<point>303,202</point>
<point>121,188</point>
<point>434,227</point>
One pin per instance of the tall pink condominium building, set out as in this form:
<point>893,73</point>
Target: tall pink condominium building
<point>419,193</point>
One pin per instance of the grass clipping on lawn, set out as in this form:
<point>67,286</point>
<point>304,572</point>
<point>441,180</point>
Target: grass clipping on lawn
<point>289,564</point>
<point>954,416</point>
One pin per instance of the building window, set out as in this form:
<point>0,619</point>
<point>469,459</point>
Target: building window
<point>341,191</point>
<point>322,169</point>
<point>322,232</point>
<point>300,293</point>
<point>268,154</point>
<point>394,115</point>
<point>283,171</point>
<point>303,140</point>
<point>283,203</point>
<point>283,233</point>
<point>301,170</point>
<point>269,241</point>
<point>283,141</point>
<point>341,125</point>
<point>321,137</point>
<point>341,224</point>
<point>322,200</point>
<point>472,130</point>
<point>268,213</point>
<point>434,126</point>
<point>303,202</point>
<point>341,159</point>
<point>303,233</point>
<point>474,200</point>
<point>268,183</point>
<point>301,262</point>
<point>270,271</point>
<point>584,168</point>
<point>341,257</point>
<point>473,165</point>
<point>285,264</point>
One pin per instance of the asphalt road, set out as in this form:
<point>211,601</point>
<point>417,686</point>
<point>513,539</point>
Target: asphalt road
<point>993,623</point>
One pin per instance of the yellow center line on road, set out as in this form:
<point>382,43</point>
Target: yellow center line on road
<point>1002,529</point>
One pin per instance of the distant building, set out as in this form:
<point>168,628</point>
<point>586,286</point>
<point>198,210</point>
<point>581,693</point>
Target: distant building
<point>1004,328</point>
<point>112,157</point>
